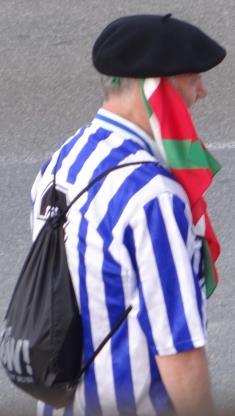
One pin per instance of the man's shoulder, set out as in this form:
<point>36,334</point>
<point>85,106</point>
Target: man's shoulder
<point>156,176</point>
<point>141,182</point>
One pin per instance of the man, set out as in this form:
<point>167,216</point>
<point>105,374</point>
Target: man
<point>141,236</point>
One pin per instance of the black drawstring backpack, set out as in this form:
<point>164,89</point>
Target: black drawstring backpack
<point>41,346</point>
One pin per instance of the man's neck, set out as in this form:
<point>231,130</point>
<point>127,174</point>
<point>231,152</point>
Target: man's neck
<point>130,108</point>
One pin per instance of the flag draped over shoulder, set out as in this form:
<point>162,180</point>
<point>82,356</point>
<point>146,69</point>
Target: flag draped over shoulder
<point>188,160</point>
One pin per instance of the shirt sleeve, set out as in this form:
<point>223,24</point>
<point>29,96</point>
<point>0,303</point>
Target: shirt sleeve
<point>34,190</point>
<point>165,255</point>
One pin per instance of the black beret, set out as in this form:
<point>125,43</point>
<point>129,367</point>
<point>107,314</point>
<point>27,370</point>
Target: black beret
<point>142,46</point>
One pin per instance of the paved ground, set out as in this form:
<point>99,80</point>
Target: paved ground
<point>47,89</point>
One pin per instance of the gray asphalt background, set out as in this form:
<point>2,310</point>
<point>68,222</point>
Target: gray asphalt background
<point>48,89</point>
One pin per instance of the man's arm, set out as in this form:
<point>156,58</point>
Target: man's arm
<point>186,378</point>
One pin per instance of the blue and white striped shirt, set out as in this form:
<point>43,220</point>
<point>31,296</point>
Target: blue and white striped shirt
<point>129,241</point>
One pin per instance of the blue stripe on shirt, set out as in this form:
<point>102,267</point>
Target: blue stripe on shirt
<point>44,166</point>
<point>143,313</point>
<point>66,149</point>
<point>168,276</point>
<point>68,411</point>
<point>198,292</point>
<point>91,144</point>
<point>116,156</point>
<point>137,179</point>
<point>183,226</point>
<point>126,128</point>
<point>48,410</point>
<point>91,394</point>
<point>180,217</point>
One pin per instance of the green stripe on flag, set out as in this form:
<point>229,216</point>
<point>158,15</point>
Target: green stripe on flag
<point>208,270</point>
<point>183,154</point>
<point>145,101</point>
<point>214,165</point>
<point>176,152</point>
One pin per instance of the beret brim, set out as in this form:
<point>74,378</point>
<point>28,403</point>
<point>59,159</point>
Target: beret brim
<point>142,46</point>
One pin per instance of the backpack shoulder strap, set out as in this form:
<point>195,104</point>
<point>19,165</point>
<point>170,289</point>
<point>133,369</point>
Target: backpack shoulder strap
<point>101,176</point>
<point>105,340</point>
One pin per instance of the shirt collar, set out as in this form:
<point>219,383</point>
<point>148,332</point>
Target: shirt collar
<point>123,127</point>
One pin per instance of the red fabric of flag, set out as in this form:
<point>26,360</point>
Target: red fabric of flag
<point>175,123</point>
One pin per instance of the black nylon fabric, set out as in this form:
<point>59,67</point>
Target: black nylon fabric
<point>41,345</point>
<point>39,317</point>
